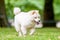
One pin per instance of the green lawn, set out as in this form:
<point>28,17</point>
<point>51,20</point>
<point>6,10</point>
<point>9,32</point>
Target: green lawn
<point>40,34</point>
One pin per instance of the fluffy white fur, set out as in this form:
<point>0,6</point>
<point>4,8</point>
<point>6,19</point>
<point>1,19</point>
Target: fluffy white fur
<point>25,20</point>
<point>16,10</point>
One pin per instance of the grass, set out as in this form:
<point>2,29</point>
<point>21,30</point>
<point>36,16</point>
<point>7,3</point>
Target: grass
<point>40,34</point>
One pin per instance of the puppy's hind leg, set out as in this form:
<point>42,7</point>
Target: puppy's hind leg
<point>18,29</point>
<point>24,31</point>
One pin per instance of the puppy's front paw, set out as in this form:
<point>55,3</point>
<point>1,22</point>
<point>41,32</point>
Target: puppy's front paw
<point>19,34</point>
<point>31,34</point>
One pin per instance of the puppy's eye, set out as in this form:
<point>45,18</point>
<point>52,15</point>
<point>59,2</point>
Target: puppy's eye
<point>35,17</point>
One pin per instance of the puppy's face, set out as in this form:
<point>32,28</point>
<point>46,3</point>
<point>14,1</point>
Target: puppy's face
<point>36,16</point>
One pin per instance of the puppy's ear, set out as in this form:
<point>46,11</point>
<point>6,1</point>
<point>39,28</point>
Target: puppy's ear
<point>37,11</point>
<point>33,12</point>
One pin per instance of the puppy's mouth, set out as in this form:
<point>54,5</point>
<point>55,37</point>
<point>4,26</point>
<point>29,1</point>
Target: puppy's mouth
<point>37,22</point>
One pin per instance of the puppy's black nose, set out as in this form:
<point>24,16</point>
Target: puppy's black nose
<point>39,20</point>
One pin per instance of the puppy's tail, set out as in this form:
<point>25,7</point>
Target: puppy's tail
<point>16,10</point>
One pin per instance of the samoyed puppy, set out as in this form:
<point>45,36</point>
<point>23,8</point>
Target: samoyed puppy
<point>25,20</point>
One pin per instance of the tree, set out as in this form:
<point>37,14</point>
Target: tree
<point>49,13</point>
<point>3,18</point>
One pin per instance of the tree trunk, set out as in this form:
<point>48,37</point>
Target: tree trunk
<point>3,18</point>
<point>48,14</point>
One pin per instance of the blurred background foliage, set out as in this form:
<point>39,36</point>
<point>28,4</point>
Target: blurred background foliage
<point>26,5</point>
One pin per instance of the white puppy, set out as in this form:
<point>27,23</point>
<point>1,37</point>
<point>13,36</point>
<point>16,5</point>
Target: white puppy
<point>25,20</point>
